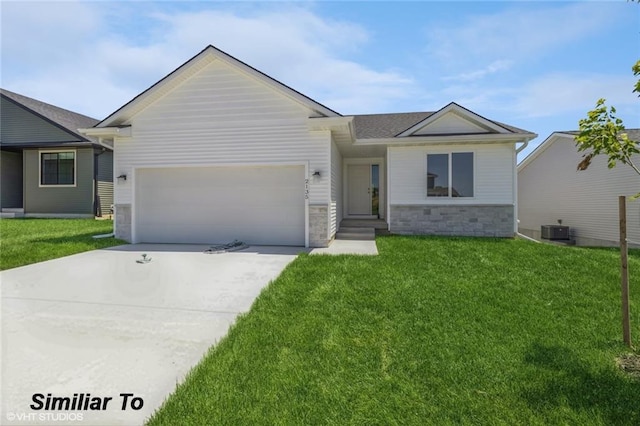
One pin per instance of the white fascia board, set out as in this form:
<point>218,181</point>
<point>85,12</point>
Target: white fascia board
<point>334,124</point>
<point>450,139</point>
<point>107,132</point>
<point>330,123</point>
<point>542,147</point>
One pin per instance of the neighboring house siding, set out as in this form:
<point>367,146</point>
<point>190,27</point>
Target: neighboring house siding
<point>336,190</point>
<point>59,200</point>
<point>105,181</point>
<point>221,116</point>
<point>551,189</point>
<point>494,183</point>
<point>10,179</point>
<point>20,126</point>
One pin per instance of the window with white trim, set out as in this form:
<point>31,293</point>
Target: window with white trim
<point>450,175</point>
<point>57,168</point>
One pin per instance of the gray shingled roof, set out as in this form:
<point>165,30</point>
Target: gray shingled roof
<point>633,134</point>
<point>369,126</point>
<point>69,120</point>
<point>373,126</point>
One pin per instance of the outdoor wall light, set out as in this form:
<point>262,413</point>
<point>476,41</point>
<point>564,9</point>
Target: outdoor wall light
<point>316,174</point>
<point>122,177</point>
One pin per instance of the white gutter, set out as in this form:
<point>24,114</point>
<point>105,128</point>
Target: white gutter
<point>432,139</point>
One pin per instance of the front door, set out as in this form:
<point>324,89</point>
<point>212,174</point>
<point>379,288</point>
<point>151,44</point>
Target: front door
<point>359,196</point>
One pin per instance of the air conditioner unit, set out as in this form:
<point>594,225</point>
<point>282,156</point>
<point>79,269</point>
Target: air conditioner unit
<point>555,232</point>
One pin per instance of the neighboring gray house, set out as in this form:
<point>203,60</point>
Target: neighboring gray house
<point>218,151</point>
<point>550,188</point>
<point>47,168</point>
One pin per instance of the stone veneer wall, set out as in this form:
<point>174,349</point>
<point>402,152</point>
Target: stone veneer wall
<point>459,220</point>
<point>318,225</point>
<point>123,221</point>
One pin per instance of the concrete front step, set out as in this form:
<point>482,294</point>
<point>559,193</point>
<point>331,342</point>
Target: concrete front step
<point>363,223</point>
<point>355,233</point>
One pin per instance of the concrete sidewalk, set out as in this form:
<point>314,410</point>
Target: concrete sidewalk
<point>363,247</point>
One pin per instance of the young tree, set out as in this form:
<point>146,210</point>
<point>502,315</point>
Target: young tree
<point>603,133</point>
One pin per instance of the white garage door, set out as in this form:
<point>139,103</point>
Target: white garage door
<point>211,205</point>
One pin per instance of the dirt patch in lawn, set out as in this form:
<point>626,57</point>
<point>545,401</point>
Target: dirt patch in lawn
<point>630,364</point>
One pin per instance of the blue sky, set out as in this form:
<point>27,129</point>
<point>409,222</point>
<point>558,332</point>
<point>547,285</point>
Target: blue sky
<point>536,65</point>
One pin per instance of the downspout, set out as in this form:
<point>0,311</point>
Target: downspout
<point>97,208</point>
<point>516,220</point>
<point>523,146</point>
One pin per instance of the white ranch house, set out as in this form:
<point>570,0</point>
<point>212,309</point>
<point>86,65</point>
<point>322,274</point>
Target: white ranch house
<point>218,151</point>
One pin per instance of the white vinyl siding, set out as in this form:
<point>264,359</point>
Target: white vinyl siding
<point>494,179</point>
<point>222,116</point>
<point>336,190</point>
<point>551,189</point>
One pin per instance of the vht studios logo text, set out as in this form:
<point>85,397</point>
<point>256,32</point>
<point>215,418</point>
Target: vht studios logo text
<point>84,402</point>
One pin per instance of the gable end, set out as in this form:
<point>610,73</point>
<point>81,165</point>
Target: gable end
<point>208,55</point>
<point>22,125</point>
<point>454,119</point>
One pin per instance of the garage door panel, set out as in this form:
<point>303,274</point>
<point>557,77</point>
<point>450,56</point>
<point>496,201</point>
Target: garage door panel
<point>258,205</point>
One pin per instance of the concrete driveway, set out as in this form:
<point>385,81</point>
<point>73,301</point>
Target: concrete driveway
<point>100,323</point>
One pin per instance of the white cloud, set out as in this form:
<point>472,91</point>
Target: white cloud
<point>96,72</point>
<point>548,102</point>
<point>37,33</point>
<point>492,68</point>
<point>563,92</point>
<point>515,62</point>
<point>300,49</point>
<point>516,33</point>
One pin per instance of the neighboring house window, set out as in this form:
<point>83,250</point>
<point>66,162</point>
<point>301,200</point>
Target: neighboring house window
<point>57,168</point>
<point>450,175</point>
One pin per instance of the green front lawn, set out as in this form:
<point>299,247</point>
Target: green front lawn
<point>433,331</point>
<point>26,241</point>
